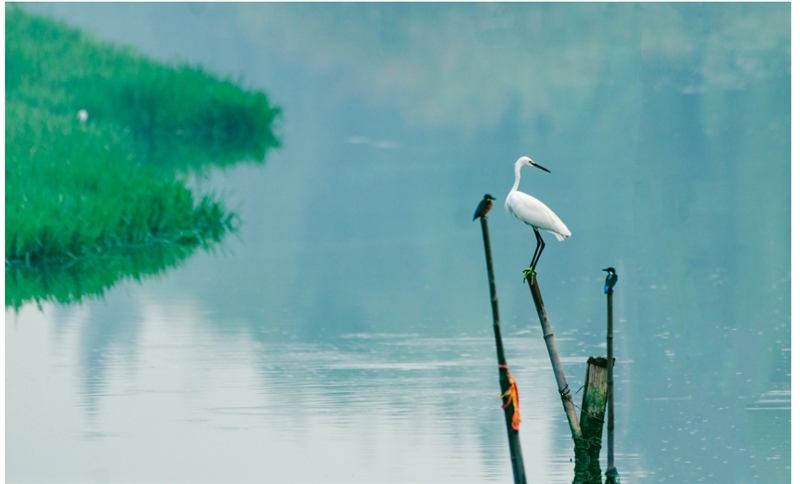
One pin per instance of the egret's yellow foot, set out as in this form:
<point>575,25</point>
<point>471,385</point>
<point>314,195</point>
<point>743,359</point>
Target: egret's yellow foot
<point>527,274</point>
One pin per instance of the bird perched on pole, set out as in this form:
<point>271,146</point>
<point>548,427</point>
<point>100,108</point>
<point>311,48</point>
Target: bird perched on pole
<point>534,213</point>
<point>483,207</point>
<point>611,279</point>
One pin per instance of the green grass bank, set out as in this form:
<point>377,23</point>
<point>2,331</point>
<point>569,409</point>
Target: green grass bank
<point>99,142</point>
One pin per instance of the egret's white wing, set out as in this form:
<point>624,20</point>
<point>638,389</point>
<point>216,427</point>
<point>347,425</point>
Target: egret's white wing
<point>536,214</point>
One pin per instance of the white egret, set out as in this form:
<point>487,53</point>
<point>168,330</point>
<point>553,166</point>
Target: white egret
<point>533,212</point>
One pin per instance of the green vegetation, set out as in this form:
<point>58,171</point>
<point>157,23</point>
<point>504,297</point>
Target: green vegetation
<point>95,198</point>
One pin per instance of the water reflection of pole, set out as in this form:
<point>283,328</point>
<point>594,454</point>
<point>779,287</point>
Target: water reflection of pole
<point>514,445</point>
<point>611,472</point>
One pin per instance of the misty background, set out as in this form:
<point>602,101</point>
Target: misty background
<point>667,131</point>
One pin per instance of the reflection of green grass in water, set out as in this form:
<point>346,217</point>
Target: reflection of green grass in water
<point>88,203</point>
<point>90,276</point>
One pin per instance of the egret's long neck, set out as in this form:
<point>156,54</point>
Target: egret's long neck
<point>517,168</point>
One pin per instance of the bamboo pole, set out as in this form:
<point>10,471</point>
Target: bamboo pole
<point>555,360</point>
<point>611,472</point>
<point>561,381</point>
<point>514,446</point>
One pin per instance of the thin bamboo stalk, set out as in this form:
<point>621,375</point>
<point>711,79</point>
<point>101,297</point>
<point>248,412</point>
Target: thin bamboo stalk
<point>514,446</point>
<point>611,472</point>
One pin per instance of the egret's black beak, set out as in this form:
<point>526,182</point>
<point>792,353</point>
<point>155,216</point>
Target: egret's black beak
<point>543,168</point>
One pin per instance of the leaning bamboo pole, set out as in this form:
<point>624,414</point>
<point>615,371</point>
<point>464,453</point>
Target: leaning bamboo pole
<point>581,457</point>
<point>507,386</point>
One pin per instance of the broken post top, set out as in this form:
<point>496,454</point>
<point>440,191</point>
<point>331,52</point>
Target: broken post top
<point>600,361</point>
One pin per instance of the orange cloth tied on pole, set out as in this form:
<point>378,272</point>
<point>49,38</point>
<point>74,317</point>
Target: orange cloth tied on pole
<point>513,398</point>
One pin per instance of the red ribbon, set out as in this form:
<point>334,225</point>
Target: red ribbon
<point>513,398</point>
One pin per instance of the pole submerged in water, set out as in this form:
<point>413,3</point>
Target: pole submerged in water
<point>593,409</point>
<point>507,386</point>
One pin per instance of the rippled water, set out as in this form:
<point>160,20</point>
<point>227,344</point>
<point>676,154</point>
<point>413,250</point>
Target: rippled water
<point>178,399</point>
<point>169,396</point>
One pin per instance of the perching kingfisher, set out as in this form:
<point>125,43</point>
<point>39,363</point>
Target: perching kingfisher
<point>483,207</point>
<point>611,279</point>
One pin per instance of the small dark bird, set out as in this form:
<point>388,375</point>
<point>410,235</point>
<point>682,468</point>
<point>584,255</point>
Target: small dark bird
<point>483,207</point>
<point>611,279</point>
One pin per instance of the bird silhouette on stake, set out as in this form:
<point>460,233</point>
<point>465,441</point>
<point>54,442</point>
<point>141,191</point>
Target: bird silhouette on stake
<point>611,279</point>
<point>534,213</point>
<point>483,207</point>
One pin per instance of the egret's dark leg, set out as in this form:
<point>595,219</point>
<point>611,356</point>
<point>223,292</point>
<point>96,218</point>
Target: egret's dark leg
<point>539,249</point>
<point>530,272</point>
<point>535,251</point>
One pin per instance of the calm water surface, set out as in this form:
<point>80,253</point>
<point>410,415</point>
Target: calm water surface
<point>196,404</point>
<point>344,334</point>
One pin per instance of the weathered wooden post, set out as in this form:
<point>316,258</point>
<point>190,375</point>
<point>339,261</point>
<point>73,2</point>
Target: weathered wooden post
<point>593,409</point>
<point>507,385</point>
<point>561,381</point>
<point>612,477</point>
